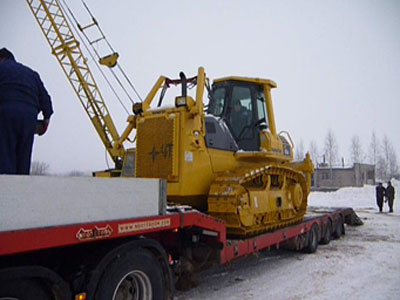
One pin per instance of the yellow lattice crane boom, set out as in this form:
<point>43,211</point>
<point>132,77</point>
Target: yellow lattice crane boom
<point>66,48</point>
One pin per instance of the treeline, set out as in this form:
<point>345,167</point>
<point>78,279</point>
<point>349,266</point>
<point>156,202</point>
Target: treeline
<point>40,168</point>
<point>380,153</point>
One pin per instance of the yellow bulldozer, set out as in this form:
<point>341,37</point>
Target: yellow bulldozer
<point>225,159</point>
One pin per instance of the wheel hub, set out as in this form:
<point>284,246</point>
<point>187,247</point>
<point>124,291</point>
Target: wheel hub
<point>135,285</point>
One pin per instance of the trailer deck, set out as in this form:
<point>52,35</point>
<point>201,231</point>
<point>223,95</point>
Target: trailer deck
<point>33,239</point>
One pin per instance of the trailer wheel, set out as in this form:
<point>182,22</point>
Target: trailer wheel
<point>339,229</point>
<point>23,289</point>
<point>136,275</point>
<point>326,238</point>
<point>312,243</point>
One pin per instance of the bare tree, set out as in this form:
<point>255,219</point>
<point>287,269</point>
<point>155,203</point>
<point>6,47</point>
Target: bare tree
<point>393,166</point>
<point>314,153</point>
<point>380,168</point>
<point>299,151</point>
<point>39,168</point>
<point>357,154</point>
<point>374,146</point>
<point>76,173</point>
<point>331,148</point>
<point>389,166</point>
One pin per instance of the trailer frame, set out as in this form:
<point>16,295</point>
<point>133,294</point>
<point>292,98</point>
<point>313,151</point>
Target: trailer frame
<point>174,239</point>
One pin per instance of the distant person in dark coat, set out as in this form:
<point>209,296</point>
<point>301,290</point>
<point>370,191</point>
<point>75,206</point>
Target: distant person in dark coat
<point>22,97</point>
<point>380,192</point>
<point>389,193</point>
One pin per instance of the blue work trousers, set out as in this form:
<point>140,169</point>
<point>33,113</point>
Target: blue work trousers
<point>17,128</point>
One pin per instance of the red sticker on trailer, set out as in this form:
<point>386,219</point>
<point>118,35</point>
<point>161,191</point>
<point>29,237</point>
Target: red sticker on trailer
<point>94,233</point>
<point>145,225</point>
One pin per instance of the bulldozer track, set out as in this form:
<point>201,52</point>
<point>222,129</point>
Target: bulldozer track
<point>242,177</point>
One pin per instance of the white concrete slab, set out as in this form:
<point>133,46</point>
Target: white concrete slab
<point>42,201</point>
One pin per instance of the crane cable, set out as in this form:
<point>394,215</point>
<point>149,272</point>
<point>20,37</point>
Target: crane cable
<point>90,53</point>
<point>112,49</point>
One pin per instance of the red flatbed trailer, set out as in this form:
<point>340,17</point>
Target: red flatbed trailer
<point>75,261</point>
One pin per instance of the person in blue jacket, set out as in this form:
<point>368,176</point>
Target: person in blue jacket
<point>22,97</point>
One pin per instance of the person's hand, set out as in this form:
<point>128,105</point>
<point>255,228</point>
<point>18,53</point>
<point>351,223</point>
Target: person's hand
<point>45,126</point>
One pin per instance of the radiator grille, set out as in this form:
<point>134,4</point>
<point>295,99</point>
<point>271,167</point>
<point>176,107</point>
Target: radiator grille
<point>155,148</point>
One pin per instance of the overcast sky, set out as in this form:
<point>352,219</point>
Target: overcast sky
<point>336,63</point>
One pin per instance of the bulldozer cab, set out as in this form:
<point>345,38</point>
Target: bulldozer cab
<point>241,105</point>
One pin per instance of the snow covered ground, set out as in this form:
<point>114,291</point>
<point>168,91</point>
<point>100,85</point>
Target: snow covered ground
<point>362,265</point>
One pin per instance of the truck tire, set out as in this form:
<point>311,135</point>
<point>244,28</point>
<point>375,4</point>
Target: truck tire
<point>135,275</point>
<point>338,228</point>
<point>327,235</point>
<point>23,289</point>
<point>312,244</point>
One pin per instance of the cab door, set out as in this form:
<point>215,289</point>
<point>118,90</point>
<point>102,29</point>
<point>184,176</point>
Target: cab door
<point>245,114</point>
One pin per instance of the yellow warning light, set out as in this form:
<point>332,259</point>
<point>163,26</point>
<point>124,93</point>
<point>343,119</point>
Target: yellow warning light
<point>81,296</point>
<point>175,230</point>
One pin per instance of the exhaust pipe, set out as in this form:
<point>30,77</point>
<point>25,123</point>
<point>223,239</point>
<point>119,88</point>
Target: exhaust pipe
<point>183,83</point>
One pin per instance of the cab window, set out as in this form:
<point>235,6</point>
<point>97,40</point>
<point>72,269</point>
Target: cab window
<point>241,111</point>
<point>216,106</point>
<point>262,114</point>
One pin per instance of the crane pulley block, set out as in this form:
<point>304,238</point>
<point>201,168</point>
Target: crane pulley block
<point>109,60</point>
